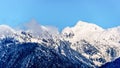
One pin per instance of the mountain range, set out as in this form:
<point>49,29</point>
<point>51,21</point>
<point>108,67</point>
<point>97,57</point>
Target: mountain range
<point>84,45</point>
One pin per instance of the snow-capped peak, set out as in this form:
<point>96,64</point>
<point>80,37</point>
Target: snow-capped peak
<point>84,33</point>
<point>6,30</point>
<point>82,30</point>
<point>85,25</point>
<point>81,23</point>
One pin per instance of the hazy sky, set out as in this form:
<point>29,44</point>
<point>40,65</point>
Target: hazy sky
<point>60,13</point>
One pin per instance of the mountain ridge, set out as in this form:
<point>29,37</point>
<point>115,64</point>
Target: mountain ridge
<point>85,43</point>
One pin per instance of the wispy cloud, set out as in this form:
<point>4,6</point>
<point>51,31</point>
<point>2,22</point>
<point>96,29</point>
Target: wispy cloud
<point>39,30</point>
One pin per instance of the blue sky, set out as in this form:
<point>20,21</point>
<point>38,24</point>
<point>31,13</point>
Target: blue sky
<point>60,13</point>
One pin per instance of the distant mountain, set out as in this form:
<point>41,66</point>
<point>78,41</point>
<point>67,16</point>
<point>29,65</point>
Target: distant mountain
<point>85,45</point>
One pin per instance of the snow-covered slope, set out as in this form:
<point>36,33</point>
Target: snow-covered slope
<point>85,45</point>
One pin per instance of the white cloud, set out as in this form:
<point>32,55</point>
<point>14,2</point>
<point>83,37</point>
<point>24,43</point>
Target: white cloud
<point>40,30</point>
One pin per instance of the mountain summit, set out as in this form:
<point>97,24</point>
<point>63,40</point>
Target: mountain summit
<point>82,25</point>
